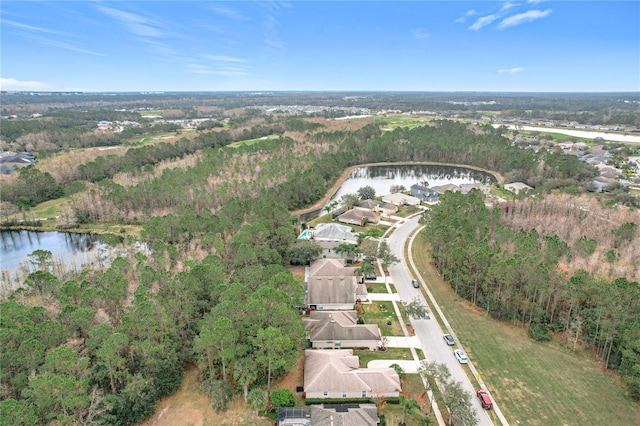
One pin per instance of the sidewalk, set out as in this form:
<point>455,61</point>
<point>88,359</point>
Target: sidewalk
<point>402,342</point>
<point>408,366</point>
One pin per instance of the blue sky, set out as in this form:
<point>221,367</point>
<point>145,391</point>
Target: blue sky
<point>526,45</point>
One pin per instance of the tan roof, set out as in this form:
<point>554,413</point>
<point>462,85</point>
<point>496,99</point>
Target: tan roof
<point>441,189</point>
<point>359,215</point>
<point>337,370</point>
<point>400,198</point>
<point>369,204</point>
<point>330,290</point>
<point>344,415</point>
<point>465,188</point>
<point>340,325</point>
<point>330,268</point>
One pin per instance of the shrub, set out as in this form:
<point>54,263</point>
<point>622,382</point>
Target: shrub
<point>282,398</point>
<point>539,332</point>
<point>218,391</point>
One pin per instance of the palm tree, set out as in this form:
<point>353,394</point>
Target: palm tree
<point>408,405</point>
<point>365,269</point>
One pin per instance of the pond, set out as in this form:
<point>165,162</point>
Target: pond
<point>72,250</point>
<point>383,177</point>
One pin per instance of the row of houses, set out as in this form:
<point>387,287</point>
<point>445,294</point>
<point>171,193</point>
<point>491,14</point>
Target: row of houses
<point>331,370</point>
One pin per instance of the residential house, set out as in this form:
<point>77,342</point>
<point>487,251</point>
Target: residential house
<point>294,416</point>
<point>333,286</point>
<point>329,415</point>
<point>441,189</point>
<point>385,209</point>
<point>516,187</point>
<point>340,329</point>
<point>344,414</point>
<point>332,293</point>
<point>335,233</point>
<point>426,194</point>
<point>400,199</point>
<point>359,217</point>
<point>337,374</point>
<point>331,235</point>
<point>465,188</point>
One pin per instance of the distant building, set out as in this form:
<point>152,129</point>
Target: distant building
<point>516,187</point>
<point>425,194</point>
<point>400,199</point>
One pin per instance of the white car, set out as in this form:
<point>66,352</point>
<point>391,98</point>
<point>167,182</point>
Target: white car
<point>462,357</point>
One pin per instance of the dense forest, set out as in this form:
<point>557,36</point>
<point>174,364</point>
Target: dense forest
<point>102,347</point>
<point>532,278</point>
<point>311,164</point>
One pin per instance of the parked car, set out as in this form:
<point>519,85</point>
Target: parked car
<point>485,399</point>
<point>415,283</point>
<point>462,357</point>
<point>449,339</point>
<point>370,277</point>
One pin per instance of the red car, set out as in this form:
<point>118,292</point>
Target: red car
<point>485,399</point>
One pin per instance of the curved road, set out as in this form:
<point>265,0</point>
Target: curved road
<point>428,330</point>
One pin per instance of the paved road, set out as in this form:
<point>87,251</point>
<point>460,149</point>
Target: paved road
<point>428,330</point>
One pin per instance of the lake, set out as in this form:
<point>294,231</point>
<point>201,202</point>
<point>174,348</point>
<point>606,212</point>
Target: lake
<point>383,177</point>
<point>69,248</point>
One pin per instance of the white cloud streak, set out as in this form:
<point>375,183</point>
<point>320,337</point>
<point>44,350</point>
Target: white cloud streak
<point>521,18</point>
<point>510,70</point>
<point>135,24</point>
<point>31,28</point>
<point>483,22</point>
<point>224,58</point>
<point>228,12</point>
<point>463,18</point>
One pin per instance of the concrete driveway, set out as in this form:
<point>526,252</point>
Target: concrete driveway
<point>409,367</point>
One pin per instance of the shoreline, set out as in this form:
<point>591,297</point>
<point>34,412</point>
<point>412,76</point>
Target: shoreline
<point>345,175</point>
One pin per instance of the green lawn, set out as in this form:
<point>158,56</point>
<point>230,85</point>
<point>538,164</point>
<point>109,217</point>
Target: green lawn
<point>412,388</point>
<point>252,141</point>
<point>408,211</point>
<point>390,353</point>
<point>409,121</point>
<point>533,383</point>
<point>380,313</point>
<point>379,288</point>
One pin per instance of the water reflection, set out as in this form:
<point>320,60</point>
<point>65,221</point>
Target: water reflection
<point>382,178</point>
<point>17,245</point>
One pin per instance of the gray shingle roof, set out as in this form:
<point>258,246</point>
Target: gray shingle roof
<point>344,415</point>
<point>337,371</point>
<point>331,290</point>
<point>340,325</point>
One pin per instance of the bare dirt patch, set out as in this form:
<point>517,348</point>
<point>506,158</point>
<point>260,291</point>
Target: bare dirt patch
<point>188,406</point>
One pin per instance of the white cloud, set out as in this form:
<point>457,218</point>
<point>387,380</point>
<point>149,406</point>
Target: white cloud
<point>136,24</point>
<point>420,34</point>
<point>199,69</point>
<point>228,12</point>
<point>506,6</point>
<point>224,58</point>
<point>510,70</point>
<point>463,18</point>
<point>535,1</point>
<point>483,22</point>
<point>20,85</point>
<point>30,28</point>
<point>521,18</point>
